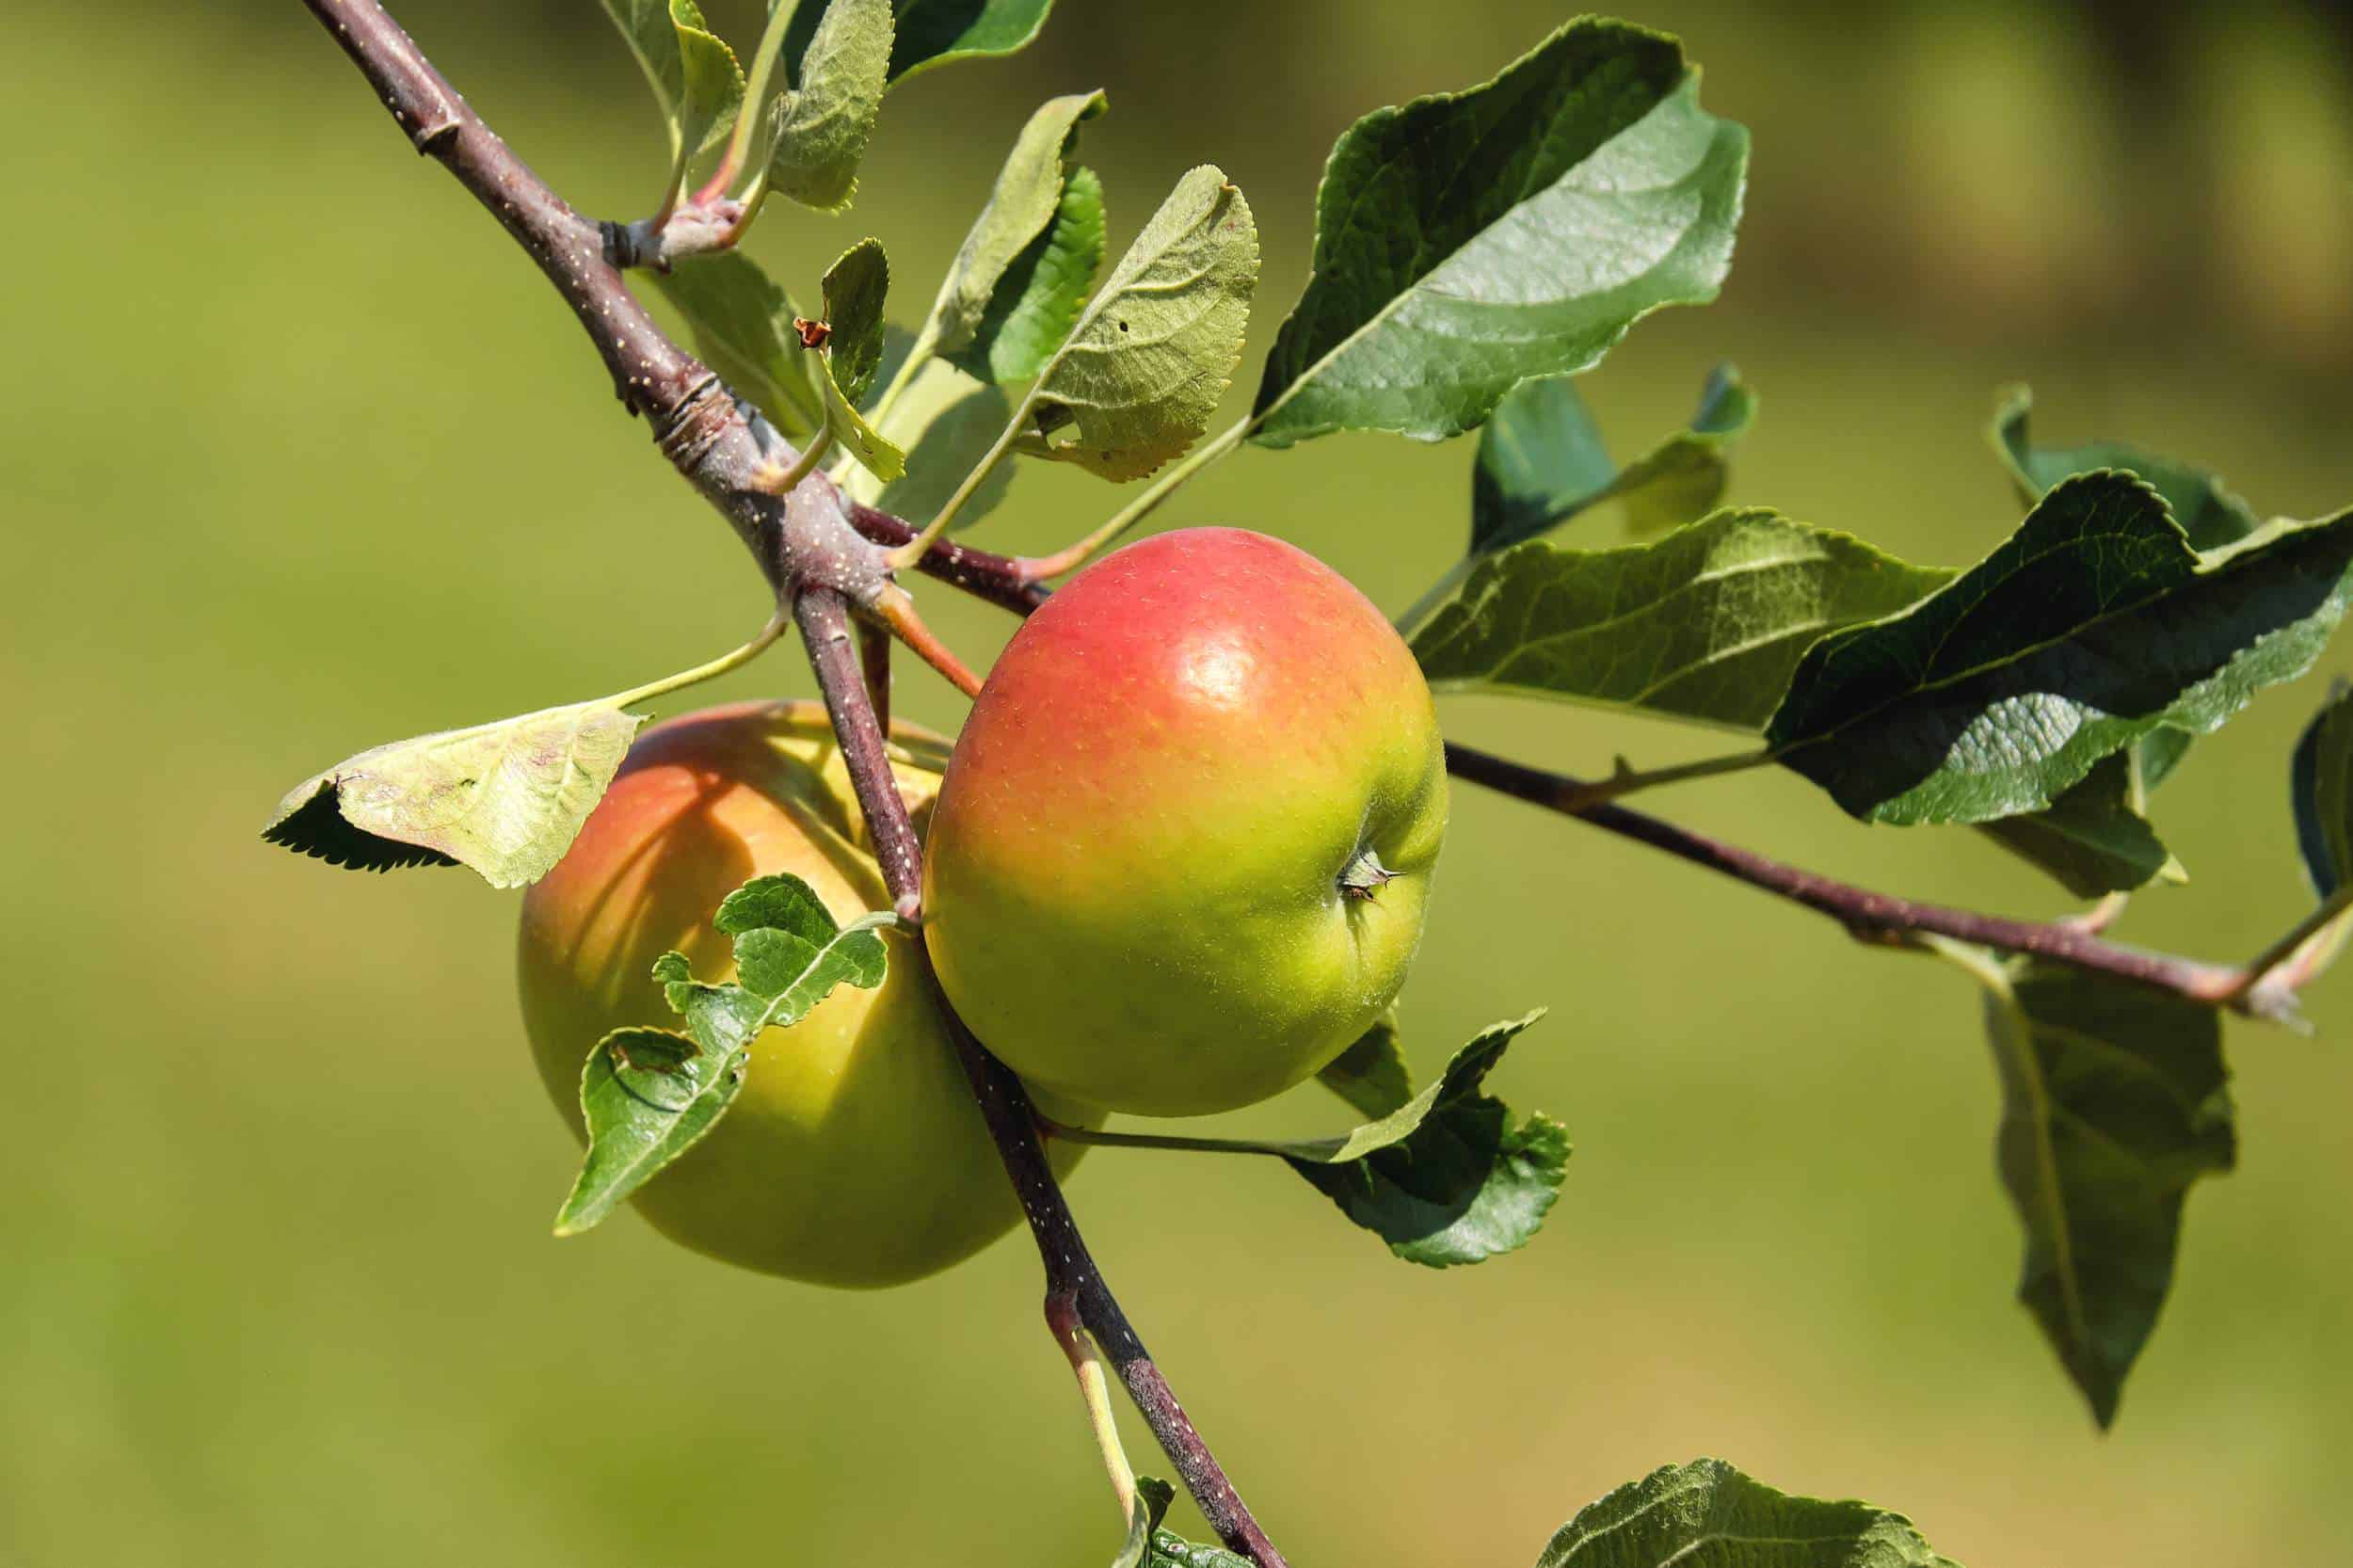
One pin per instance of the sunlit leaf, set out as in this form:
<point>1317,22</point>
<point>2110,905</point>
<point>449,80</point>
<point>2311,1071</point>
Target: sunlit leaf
<point>1446,1179</point>
<point>939,32</point>
<point>944,420</point>
<point>855,289</point>
<point>2093,625</point>
<point>1705,624</point>
<point>1706,1514</point>
<point>695,76</point>
<point>504,799</point>
<point>821,127</point>
<point>1037,301</point>
<point>2095,839</point>
<point>1467,242</point>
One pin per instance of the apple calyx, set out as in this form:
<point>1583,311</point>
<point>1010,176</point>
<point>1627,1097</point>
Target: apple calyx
<point>1364,875</point>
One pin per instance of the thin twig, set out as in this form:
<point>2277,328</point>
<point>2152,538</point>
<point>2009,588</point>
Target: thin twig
<point>1073,1283</point>
<point>1873,917</point>
<point>979,572</point>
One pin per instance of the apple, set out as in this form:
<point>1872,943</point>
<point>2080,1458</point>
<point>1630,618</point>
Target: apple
<point>1180,857</point>
<point>854,1155</point>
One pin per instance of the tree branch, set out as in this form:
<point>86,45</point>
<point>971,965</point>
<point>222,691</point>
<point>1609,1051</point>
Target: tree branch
<point>1073,1283</point>
<point>995,578</point>
<point>812,555</point>
<point>1880,918</point>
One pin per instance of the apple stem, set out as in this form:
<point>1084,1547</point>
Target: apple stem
<point>1071,1276</point>
<point>1086,1365</point>
<point>2264,989</point>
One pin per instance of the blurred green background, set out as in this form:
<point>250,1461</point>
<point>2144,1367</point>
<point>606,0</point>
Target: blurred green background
<point>301,456</point>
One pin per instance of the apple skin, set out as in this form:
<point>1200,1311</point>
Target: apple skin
<point>1132,890</point>
<point>854,1155</point>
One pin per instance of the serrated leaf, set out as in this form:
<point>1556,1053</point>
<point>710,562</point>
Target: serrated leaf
<point>2114,1102</point>
<point>2094,839</point>
<point>651,1099</point>
<point>1446,1179</point>
<point>1022,209</point>
<point>647,1096</point>
<point>1153,352</point>
<point>2208,513</point>
<point>1471,241</point>
<point>742,323</point>
<point>695,76</point>
<point>1037,302</point>
<point>939,32</point>
<point>854,290</point>
<point>1371,1075</point>
<point>821,127</point>
<point>504,799</point>
<point>2093,625</point>
<point>1707,1514</point>
<point>1705,625</point>
<point>945,422</point>
<point>2321,793</point>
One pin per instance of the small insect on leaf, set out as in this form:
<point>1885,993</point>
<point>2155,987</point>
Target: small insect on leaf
<point>814,333</point>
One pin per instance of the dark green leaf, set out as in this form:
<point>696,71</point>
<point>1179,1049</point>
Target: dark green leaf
<point>1150,1506</point>
<point>2207,511</point>
<point>937,32</point>
<point>2321,793</point>
<point>2114,1101</point>
<point>854,290</point>
<point>504,799</point>
<point>1541,461</point>
<point>2091,626</point>
<point>2094,839</point>
<point>1470,241</point>
<point>1706,1514</point>
<point>743,328</point>
<point>1705,624</point>
<point>1446,1179</point>
<point>1682,477</point>
<point>1371,1075</point>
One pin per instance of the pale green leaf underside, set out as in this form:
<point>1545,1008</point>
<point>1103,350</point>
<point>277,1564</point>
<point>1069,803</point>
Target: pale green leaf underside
<point>1021,206</point>
<point>854,291</point>
<point>1706,1514</point>
<point>1446,1179</point>
<point>696,79</point>
<point>1470,241</point>
<point>2114,1101</point>
<point>1037,301</point>
<point>1371,1075</point>
<point>821,128</point>
<point>1154,351</point>
<point>504,799</point>
<point>1703,625</point>
<point>2094,625</point>
<point>742,323</point>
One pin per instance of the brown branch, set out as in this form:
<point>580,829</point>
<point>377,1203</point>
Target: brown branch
<point>1871,917</point>
<point>807,546</point>
<point>995,578</point>
<point>1073,1283</point>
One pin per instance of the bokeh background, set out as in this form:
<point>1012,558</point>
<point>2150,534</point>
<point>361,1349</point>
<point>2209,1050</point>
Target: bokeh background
<point>300,456</point>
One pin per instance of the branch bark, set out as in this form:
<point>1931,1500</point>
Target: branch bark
<point>815,559</point>
<point>1873,917</point>
<point>1073,1283</point>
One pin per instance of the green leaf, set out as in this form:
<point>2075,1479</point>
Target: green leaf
<point>1037,302</point>
<point>2321,793</point>
<point>1371,1075</point>
<point>1445,1179</point>
<point>1022,208</point>
<point>1470,241</point>
<point>1705,625</point>
<point>822,126</point>
<point>2207,511</point>
<point>1153,352</point>
<point>504,799</point>
<point>1681,479</point>
<point>945,422</point>
<point>2091,626</point>
<point>854,289</point>
<point>742,325</point>
<point>2114,1101</point>
<point>939,32</point>
<point>1706,1514</point>
<point>1145,1512</point>
<point>2094,839</point>
<point>648,1095</point>
<point>695,76</point>
<point>1541,461</point>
